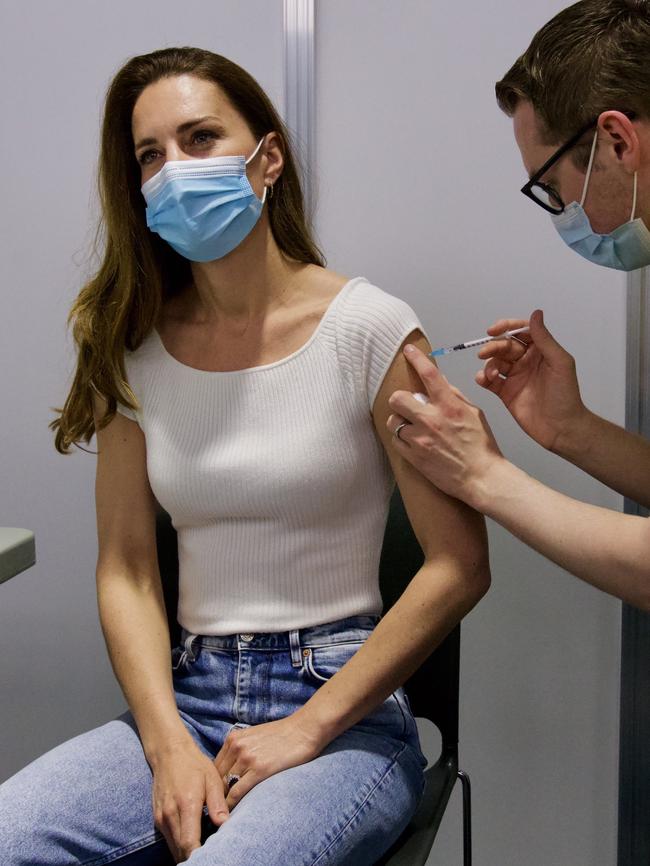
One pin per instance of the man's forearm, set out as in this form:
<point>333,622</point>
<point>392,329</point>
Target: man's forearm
<point>619,459</point>
<point>605,548</point>
<point>137,637</point>
<point>432,604</point>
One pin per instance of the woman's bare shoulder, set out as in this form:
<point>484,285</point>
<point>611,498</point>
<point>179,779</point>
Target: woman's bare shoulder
<point>321,285</point>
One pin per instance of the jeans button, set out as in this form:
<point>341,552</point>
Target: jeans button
<point>247,637</point>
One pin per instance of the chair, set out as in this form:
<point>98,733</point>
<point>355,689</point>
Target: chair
<point>432,691</point>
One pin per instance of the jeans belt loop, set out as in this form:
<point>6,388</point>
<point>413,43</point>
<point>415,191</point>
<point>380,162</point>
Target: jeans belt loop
<point>188,652</point>
<point>294,643</point>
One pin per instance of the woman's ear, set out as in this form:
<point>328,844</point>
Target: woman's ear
<point>274,152</point>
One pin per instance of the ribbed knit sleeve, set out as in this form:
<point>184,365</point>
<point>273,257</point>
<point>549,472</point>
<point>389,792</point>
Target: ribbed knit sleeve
<point>124,410</point>
<point>131,364</point>
<point>371,327</point>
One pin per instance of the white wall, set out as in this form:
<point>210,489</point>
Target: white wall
<point>56,61</point>
<point>419,180</point>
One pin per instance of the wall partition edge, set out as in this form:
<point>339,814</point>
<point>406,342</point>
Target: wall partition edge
<point>634,755</point>
<point>299,89</point>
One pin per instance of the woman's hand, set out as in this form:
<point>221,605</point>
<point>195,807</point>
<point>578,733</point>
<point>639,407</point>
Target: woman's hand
<point>183,780</point>
<point>536,380</point>
<point>260,751</point>
<point>447,439</point>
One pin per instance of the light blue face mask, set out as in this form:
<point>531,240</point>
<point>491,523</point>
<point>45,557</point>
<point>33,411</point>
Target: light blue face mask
<point>626,248</point>
<point>203,208</point>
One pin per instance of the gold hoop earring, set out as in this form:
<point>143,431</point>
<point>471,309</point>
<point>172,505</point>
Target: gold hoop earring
<point>270,190</point>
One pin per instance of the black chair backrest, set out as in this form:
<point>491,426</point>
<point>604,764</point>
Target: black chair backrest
<point>433,689</point>
<point>167,545</point>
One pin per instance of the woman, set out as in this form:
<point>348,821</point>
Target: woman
<point>282,721</point>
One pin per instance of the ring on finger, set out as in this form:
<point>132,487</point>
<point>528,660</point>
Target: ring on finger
<point>230,779</point>
<point>396,432</point>
<point>494,369</point>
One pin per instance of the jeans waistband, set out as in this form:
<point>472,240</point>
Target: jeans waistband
<point>352,628</point>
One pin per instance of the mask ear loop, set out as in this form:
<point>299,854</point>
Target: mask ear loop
<point>589,167</point>
<point>634,197</point>
<point>252,157</point>
<point>254,153</point>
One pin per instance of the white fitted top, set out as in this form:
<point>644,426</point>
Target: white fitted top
<point>274,476</point>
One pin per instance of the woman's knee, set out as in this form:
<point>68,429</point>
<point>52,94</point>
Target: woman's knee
<point>88,795</point>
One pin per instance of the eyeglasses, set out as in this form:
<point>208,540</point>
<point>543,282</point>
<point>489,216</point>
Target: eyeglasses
<point>542,193</point>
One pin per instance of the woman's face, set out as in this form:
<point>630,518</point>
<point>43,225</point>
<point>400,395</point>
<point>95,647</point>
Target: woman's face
<point>185,117</point>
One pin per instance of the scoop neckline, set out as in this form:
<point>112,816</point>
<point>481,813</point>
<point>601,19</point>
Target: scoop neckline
<point>260,367</point>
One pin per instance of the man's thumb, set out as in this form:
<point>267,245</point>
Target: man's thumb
<point>542,337</point>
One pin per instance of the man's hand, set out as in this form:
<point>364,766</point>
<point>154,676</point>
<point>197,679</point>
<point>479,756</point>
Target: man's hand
<point>536,380</point>
<point>448,439</point>
<point>260,751</point>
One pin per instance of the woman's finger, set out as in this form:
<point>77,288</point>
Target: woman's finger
<point>216,801</point>
<point>247,780</point>
<point>224,758</point>
<point>170,828</point>
<point>189,826</point>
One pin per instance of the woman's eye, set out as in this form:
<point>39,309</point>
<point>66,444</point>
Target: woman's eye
<point>203,136</point>
<point>146,157</point>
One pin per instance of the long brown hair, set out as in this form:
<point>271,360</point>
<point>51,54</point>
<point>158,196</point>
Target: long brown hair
<point>591,57</point>
<point>118,307</point>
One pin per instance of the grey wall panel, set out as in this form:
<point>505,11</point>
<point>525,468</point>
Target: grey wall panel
<point>419,179</point>
<point>55,63</point>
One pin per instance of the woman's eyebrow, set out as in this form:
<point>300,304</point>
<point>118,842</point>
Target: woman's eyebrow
<point>144,142</point>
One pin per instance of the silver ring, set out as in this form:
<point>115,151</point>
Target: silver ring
<point>398,428</point>
<point>230,780</point>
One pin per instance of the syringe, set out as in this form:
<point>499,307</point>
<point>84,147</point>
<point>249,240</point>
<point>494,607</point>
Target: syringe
<point>480,342</point>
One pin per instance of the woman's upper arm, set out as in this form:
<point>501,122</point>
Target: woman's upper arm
<point>126,506</point>
<point>447,529</point>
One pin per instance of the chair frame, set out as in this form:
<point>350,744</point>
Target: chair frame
<point>433,693</point>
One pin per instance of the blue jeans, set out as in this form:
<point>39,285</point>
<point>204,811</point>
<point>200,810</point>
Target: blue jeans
<point>88,801</point>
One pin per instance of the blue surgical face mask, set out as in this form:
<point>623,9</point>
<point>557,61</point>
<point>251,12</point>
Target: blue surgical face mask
<point>203,208</point>
<point>626,248</point>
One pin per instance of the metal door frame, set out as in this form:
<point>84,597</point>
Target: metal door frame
<point>634,749</point>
